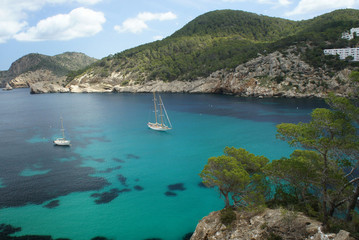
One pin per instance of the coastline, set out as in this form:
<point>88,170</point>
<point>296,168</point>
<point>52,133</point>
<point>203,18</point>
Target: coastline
<point>246,89</point>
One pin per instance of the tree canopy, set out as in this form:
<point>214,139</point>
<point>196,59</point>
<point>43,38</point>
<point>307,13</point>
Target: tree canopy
<point>317,178</point>
<point>238,177</point>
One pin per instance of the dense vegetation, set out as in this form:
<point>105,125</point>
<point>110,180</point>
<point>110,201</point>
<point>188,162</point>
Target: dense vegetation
<point>320,178</point>
<point>226,38</point>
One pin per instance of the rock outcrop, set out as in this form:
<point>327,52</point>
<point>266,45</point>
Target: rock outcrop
<point>269,223</point>
<point>34,68</point>
<point>273,75</point>
<point>7,87</point>
<point>24,80</point>
<point>45,87</point>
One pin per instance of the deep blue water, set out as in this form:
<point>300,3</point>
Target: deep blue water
<point>119,179</point>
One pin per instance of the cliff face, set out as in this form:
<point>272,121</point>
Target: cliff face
<point>273,75</point>
<point>24,80</point>
<point>269,224</point>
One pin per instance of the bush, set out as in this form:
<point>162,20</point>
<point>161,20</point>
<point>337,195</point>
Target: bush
<point>227,216</point>
<point>273,236</point>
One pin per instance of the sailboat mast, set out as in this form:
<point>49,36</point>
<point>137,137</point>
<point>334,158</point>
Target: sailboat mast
<point>161,106</point>
<point>164,109</point>
<point>62,128</point>
<point>155,102</point>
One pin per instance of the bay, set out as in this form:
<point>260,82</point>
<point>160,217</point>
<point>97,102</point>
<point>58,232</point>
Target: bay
<point>119,179</point>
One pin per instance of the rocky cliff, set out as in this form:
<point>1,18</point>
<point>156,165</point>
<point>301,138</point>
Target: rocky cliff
<point>268,224</point>
<point>34,68</point>
<point>276,74</point>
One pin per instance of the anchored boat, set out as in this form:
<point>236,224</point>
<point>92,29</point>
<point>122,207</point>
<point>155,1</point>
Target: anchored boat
<point>62,141</point>
<point>162,121</point>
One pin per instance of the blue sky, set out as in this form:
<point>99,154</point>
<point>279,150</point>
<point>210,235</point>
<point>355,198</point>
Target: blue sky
<point>102,27</point>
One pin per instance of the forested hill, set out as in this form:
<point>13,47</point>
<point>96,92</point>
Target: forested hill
<point>224,39</point>
<point>245,25</point>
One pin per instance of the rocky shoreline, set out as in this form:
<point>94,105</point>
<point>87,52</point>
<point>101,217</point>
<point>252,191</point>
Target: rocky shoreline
<point>273,75</point>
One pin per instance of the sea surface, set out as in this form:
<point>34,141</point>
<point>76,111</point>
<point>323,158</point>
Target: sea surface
<point>119,179</point>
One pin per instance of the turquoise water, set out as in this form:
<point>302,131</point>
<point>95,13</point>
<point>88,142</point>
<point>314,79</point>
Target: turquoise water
<point>119,179</point>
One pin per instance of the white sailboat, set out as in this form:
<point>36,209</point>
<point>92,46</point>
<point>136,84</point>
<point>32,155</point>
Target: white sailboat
<point>62,141</point>
<point>163,122</point>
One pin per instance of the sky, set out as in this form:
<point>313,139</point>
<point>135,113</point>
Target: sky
<point>99,28</point>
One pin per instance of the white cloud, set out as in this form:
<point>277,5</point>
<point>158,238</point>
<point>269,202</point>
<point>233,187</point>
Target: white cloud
<point>284,2</point>
<point>310,6</point>
<point>138,24</point>
<point>14,13</point>
<point>80,22</point>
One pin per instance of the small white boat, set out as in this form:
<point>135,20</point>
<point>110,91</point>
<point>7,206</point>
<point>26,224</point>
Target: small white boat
<point>162,121</point>
<point>62,141</point>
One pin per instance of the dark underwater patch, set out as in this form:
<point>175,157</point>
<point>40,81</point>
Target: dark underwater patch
<point>132,156</point>
<point>109,170</point>
<point>107,197</point>
<point>99,238</point>
<point>176,187</point>
<point>138,188</point>
<point>118,160</point>
<point>6,230</point>
<point>63,179</point>
<point>53,204</point>
<point>125,190</point>
<point>99,160</point>
<point>122,179</point>
<point>170,194</point>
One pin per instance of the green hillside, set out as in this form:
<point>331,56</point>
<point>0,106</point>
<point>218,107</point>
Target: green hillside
<point>226,38</point>
<point>242,24</point>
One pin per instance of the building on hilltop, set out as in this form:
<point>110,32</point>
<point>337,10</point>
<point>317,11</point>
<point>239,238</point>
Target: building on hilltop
<point>350,35</point>
<point>344,52</point>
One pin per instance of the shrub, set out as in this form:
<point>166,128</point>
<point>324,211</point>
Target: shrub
<point>227,216</point>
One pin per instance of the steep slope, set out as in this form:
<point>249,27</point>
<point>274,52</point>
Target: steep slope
<point>37,67</point>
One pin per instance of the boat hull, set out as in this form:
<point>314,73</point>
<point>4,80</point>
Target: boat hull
<point>62,142</point>
<point>158,127</point>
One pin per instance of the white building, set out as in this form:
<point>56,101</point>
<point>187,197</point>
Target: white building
<point>344,52</point>
<point>350,35</point>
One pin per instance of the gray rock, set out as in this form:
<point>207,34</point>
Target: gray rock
<point>342,235</point>
<point>46,87</point>
<point>284,224</point>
